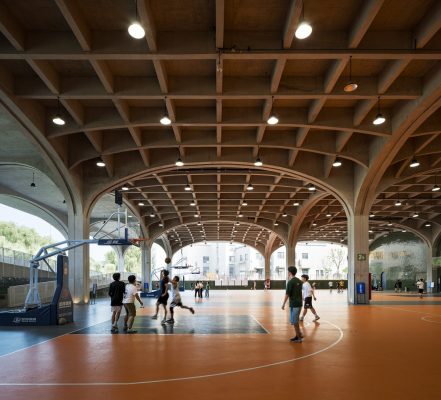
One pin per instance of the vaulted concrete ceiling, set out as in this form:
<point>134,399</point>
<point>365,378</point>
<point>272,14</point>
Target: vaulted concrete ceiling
<point>219,69</point>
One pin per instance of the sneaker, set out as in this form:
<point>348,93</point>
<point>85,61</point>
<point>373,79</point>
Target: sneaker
<point>316,318</point>
<point>296,339</point>
<point>114,329</point>
<point>192,310</point>
<point>154,317</point>
<point>170,321</point>
<point>302,318</point>
<point>131,331</point>
<point>163,322</point>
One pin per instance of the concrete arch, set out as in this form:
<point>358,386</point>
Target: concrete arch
<point>37,210</point>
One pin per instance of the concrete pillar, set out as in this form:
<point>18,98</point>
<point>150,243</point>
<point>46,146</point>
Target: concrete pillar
<point>146,263</point>
<point>429,263</point>
<point>290,256</point>
<point>79,286</point>
<point>120,252</point>
<point>358,255</point>
<point>267,266</point>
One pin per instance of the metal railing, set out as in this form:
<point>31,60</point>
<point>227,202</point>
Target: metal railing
<point>21,259</point>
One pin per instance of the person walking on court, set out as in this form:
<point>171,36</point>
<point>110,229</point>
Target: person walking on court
<point>116,293</point>
<point>207,289</point>
<point>294,294</point>
<point>420,286</point>
<point>308,293</point>
<point>196,289</point>
<point>176,300</point>
<point>130,294</point>
<point>330,286</point>
<point>163,296</point>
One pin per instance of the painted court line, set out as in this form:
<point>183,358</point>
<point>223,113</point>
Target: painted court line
<point>186,378</point>
<point>255,319</point>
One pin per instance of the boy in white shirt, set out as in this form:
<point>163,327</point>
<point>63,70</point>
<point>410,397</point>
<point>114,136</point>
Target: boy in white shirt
<point>420,286</point>
<point>308,294</point>
<point>176,300</point>
<point>130,295</point>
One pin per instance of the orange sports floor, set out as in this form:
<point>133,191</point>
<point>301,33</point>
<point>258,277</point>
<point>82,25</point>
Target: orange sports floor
<point>389,350</point>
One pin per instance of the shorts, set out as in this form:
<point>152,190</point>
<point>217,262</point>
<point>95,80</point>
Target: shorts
<point>174,304</point>
<point>308,302</point>
<point>163,299</point>
<point>294,315</point>
<point>420,290</point>
<point>130,309</point>
<point>116,308</point>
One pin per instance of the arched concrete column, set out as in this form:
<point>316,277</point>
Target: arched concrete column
<point>146,264</point>
<point>120,252</point>
<point>78,229</point>
<point>358,255</point>
<point>267,259</point>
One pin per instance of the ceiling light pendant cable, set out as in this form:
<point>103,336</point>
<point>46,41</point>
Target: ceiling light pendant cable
<point>33,181</point>
<point>350,86</point>
<point>272,120</point>
<point>304,29</point>
<point>136,31</point>
<point>58,119</point>
<point>379,119</point>
<point>165,120</point>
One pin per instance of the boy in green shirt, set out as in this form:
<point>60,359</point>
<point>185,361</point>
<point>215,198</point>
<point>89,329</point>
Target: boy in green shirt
<point>294,294</point>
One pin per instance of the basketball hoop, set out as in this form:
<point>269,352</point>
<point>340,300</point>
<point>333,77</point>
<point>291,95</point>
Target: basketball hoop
<point>137,241</point>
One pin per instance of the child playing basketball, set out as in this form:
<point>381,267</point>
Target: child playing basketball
<point>176,301</point>
<point>308,294</point>
<point>163,296</point>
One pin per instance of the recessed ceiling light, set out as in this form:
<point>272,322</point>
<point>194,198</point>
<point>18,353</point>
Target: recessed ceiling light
<point>179,162</point>
<point>136,31</point>
<point>273,120</point>
<point>337,163</point>
<point>303,31</point>
<point>414,163</point>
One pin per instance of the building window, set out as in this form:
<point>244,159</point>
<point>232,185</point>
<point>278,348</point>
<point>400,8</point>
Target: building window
<point>304,256</point>
<point>241,258</point>
<point>246,257</point>
<point>231,259</point>
<point>205,259</point>
<point>280,255</point>
<point>305,271</point>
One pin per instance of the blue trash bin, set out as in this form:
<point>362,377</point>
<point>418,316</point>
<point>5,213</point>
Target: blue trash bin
<point>361,293</point>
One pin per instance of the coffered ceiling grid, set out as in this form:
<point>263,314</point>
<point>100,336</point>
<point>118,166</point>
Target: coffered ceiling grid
<point>219,76</point>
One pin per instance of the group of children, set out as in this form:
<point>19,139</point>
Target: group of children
<point>125,295</point>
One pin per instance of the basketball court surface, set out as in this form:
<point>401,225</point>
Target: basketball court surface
<point>236,346</point>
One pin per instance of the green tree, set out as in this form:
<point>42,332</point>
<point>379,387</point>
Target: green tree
<point>132,260</point>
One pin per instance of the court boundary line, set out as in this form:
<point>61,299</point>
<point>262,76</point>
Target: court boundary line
<point>261,325</point>
<point>185,378</point>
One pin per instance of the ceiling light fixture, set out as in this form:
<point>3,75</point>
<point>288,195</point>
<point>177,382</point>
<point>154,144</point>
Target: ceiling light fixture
<point>328,215</point>
<point>337,163</point>
<point>276,223</point>
<point>165,120</point>
<point>350,86</point>
<point>296,203</point>
<point>272,120</point>
<point>136,30</point>
<point>193,203</point>
<point>179,162</point>
<point>304,29</point>
<point>187,187</point>
<point>125,188</point>
<point>398,203</point>
<point>379,119</point>
<point>427,224</point>
<point>311,187</point>
<point>100,163</point>
<point>389,223</point>
<point>161,224</point>
<point>152,215</point>
<point>140,204</point>
<point>436,188</point>
<point>33,181</point>
<point>371,215</point>
<point>258,162</point>
<point>244,203</point>
<point>284,215</point>
<point>250,187</point>
<point>415,215</point>
<point>414,163</point>
<point>57,119</point>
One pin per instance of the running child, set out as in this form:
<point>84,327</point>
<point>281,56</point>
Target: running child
<point>163,296</point>
<point>420,286</point>
<point>176,300</point>
<point>308,294</point>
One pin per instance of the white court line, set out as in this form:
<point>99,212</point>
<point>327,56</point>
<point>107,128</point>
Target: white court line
<point>428,320</point>
<point>255,319</point>
<point>185,378</point>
